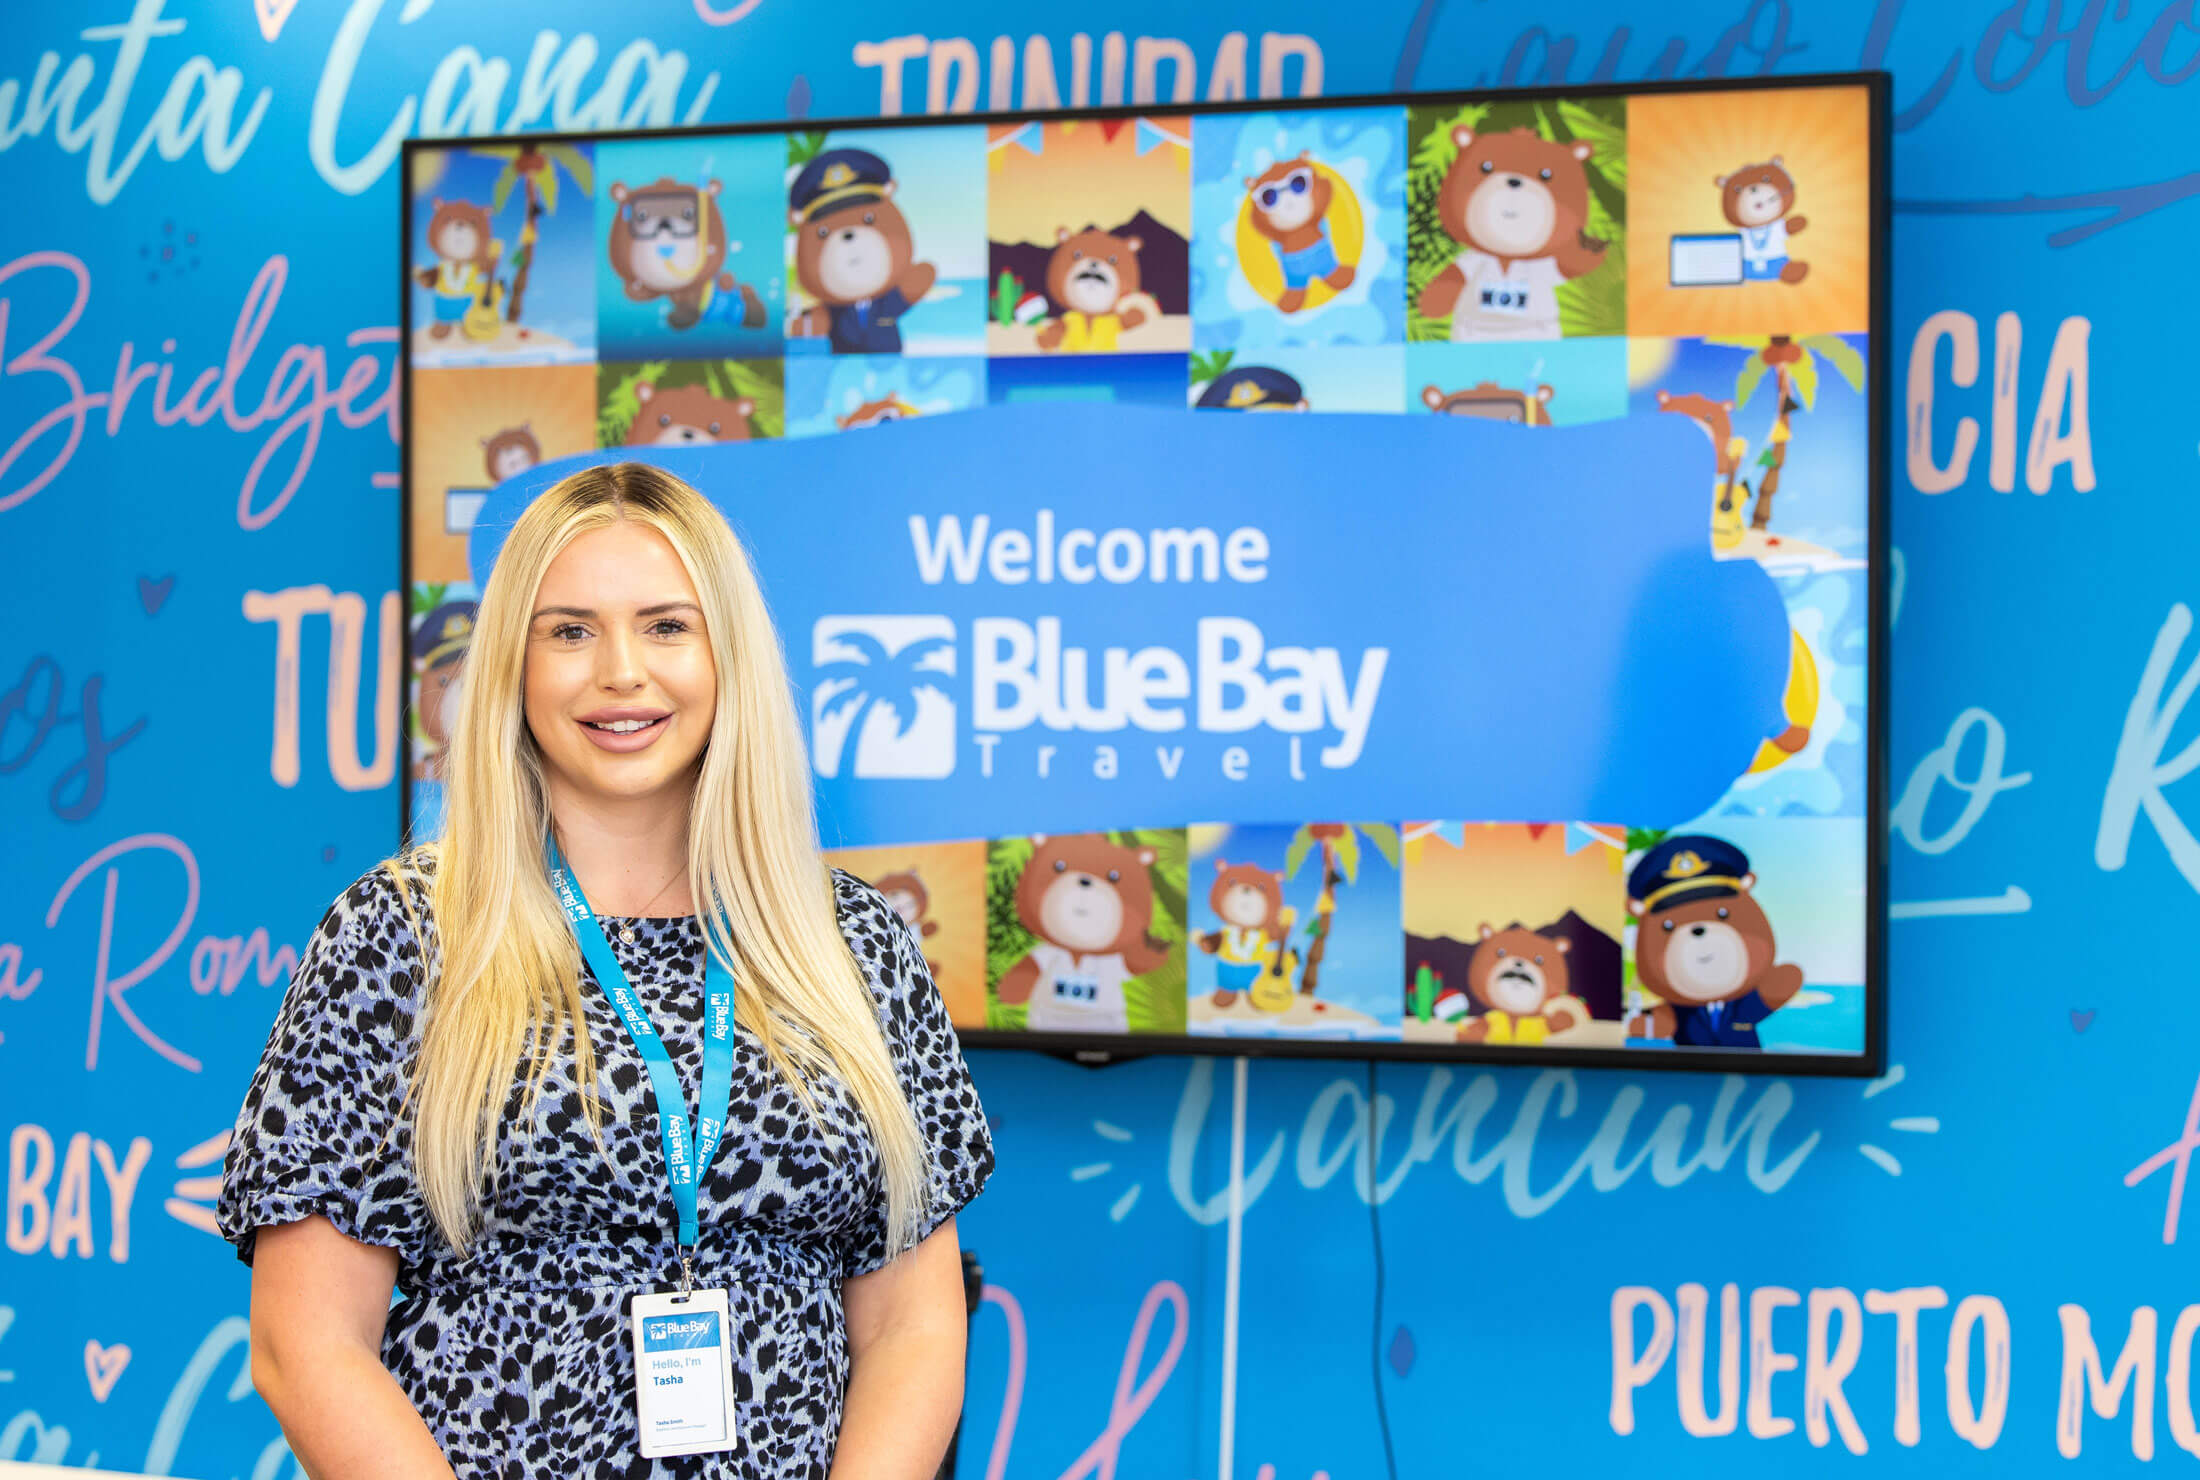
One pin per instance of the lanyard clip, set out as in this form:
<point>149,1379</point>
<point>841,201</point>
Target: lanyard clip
<point>687,1273</point>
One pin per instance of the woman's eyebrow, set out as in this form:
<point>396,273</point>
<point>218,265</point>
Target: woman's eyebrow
<point>658,610</point>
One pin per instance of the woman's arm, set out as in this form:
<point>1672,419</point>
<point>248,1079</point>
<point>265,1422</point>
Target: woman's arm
<point>319,1303</point>
<point>907,1326</point>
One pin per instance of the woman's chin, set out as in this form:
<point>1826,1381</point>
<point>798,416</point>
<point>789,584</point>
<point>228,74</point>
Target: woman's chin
<point>628,778</point>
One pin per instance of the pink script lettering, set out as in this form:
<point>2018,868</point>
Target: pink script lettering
<point>114,991</point>
<point>2177,1156</point>
<point>294,405</point>
<point>1129,1404</point>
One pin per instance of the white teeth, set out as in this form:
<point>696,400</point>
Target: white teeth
<point>620,726</point>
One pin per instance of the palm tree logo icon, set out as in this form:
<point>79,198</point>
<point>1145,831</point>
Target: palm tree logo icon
<point>880,701</point>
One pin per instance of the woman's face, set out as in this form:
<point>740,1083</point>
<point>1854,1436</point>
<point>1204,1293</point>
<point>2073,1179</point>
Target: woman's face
<point>619,687</point>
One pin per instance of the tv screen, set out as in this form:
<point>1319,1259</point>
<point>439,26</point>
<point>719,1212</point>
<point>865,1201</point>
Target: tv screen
<point>1395,576</point>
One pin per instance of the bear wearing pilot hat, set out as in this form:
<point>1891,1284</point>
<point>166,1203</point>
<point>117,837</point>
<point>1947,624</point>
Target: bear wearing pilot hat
<point>1253,388</point>
<point>1703,945</point>
<point>853,254</point>
<point>439,646</point>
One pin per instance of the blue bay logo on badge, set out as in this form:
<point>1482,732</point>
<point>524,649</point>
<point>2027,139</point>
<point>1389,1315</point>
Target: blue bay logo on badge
<point>880,700</point>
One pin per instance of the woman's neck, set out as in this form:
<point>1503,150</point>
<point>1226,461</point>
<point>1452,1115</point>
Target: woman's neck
<point>628,855</point>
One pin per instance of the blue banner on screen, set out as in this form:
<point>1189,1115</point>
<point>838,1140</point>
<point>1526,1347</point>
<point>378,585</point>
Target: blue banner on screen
<point>1230,618</point>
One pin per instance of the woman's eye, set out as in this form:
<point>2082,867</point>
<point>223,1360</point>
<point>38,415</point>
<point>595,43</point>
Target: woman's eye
<point>668,627</point>
<point>568,632</point>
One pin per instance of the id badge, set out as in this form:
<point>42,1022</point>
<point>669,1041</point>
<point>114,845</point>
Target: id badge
<point>683,1373</point>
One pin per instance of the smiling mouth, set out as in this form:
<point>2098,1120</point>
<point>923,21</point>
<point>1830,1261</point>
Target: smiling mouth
<point>625,726</point>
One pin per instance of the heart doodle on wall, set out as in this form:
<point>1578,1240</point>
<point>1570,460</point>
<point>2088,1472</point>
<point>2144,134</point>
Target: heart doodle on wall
<point>2081,1020</point>
<point>271,14</point>
<point>1402,1352</point>
<point>103,1365</point>
<point>153,595</point>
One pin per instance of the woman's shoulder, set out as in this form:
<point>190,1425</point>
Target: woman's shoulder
<point>873,928</point>
<point>393,893</point>
<point>370,939</point>
<point>861,907</point>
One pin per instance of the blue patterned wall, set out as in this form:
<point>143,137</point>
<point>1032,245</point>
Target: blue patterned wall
<point>1587,1273</point>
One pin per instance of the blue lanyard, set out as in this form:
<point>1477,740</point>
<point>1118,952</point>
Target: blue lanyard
<point>717,1087</point>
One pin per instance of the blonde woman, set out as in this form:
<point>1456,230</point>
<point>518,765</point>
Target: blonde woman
<point>629,851</point>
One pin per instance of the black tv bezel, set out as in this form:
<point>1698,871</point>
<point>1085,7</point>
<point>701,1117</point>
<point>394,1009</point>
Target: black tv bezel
<point>1101,1050</point>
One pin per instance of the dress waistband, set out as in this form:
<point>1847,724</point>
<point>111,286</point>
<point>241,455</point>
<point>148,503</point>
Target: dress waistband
<point>625,1255</point>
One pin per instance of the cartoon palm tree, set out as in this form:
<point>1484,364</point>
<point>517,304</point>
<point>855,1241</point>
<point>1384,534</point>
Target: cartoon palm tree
<point>535,169</point>
<point>1794,368</point>
<point>880,681</point>
<point>1207,368</point>
<point>1340,847</point>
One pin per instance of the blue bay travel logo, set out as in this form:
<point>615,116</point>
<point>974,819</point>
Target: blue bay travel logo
<point>677,1333</point>
<point>884,688</point>
<point>880,705</point>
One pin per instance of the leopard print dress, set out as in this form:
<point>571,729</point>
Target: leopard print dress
<point>517,1355</point>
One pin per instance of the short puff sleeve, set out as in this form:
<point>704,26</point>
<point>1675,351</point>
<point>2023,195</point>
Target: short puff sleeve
<point>318,1132</point>
<point>958,1144</point>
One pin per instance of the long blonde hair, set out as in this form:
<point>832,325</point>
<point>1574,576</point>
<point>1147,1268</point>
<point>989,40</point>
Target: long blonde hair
<point>510,967</point>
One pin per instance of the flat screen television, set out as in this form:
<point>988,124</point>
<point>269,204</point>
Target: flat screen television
<point>1140,491</point>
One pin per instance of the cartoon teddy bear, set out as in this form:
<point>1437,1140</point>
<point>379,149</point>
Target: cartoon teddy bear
<point>510,452</point>
<point>668,240</point>
<point>1489,401</point>
<point>1759,199</point>
<point>1091,275</point>
<point>679,415</point>
<point>1248,900</point>
<point>853,254</point>
<point>1519,206</point>
<point>905,891</point>
<point>1253,388</point>
<point>1090,902</point>
<point>883,411</point>
<point>464,274</point>
<point>1290,200</point>
<point>1729,494</point>
<point>1520,978</point>
<point>1704,945</point>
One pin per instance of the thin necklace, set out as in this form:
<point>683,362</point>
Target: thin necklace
<point>626,932</point>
